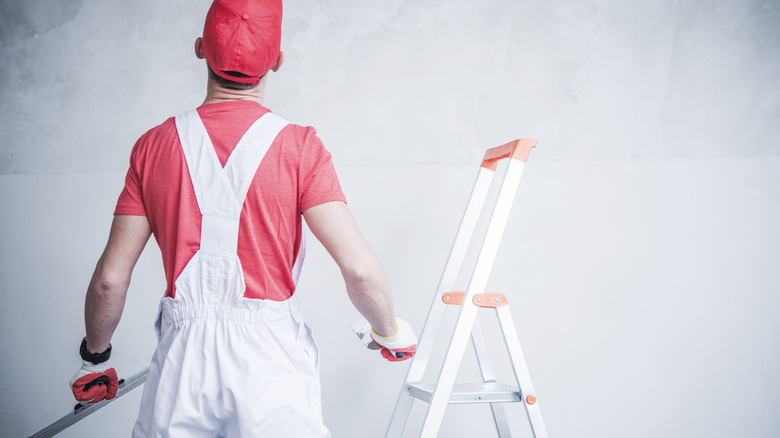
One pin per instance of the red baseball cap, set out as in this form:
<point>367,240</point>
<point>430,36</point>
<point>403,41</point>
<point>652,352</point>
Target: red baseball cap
<point>243,36</point>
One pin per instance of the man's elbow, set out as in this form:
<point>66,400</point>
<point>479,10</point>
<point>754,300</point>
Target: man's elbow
<point>107,284</point>
<point>361,275</point>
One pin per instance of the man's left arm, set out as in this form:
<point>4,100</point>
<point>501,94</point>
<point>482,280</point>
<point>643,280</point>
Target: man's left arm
<point>104,304</point>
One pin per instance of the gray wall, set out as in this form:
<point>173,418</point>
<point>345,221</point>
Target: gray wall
<point>641,259</point>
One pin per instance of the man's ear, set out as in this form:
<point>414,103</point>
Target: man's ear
<point>279,62</point>
<point>199,48</point>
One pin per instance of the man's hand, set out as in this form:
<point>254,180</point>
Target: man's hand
<point>399,346</point>
<point>96,380</point>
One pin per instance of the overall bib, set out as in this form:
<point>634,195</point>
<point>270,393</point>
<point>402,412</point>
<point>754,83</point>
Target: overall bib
<point>229,366</point>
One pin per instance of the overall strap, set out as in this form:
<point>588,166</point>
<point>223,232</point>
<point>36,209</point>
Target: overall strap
<point>221,192</point>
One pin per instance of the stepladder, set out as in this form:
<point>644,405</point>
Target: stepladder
<point>482,244</point>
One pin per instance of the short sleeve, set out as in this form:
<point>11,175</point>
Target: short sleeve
<point>131,199</point>
<point>318,180</point>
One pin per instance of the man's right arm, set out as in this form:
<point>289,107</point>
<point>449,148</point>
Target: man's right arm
<point>367,283</point>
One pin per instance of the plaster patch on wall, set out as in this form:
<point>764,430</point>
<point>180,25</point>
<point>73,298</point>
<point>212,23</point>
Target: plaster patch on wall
<point>30,18</point>
<point>78,96</point>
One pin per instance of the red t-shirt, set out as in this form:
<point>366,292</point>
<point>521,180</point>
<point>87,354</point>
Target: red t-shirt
<point>295,174</point>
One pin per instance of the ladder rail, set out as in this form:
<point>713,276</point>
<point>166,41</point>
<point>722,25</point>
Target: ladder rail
<point>468,311</point>
<point>450,275</point>
<point>488,376</point>
<point>530,403</point>
<point>81,411</point>
<point>436,315</point>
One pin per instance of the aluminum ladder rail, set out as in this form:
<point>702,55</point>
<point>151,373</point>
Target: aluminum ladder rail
<point>445,391</point>
<point>81,411</point>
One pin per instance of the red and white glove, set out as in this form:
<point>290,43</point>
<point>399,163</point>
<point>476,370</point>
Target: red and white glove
<point>399,346</point>
<point>96,380</point>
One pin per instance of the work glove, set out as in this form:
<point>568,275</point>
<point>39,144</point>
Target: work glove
<point>400,346</point>
<point>96,380</point>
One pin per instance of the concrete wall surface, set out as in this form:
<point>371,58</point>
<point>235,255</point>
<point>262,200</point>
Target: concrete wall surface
<point>641,258</point>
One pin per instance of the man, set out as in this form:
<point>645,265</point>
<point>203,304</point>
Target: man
<point>223,189</point>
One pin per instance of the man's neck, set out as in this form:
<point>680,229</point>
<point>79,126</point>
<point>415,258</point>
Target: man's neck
<point>216,93</point>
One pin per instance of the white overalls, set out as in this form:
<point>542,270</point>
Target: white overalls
<point>225,365</point>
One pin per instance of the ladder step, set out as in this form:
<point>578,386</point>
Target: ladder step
<point>490,392</point>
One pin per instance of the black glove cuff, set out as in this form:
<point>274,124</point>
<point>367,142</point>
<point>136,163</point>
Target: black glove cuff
<point>95,358</point>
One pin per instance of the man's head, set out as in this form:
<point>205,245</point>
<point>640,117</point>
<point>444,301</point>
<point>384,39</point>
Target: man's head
<point>241,39</point>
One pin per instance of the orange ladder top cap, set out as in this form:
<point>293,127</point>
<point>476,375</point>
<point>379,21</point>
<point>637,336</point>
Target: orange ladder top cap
<point>518,149</point>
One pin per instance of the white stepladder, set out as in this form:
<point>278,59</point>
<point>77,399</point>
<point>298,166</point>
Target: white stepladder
<point>445,391</point>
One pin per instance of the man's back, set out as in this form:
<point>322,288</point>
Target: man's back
<point>295,174</point>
